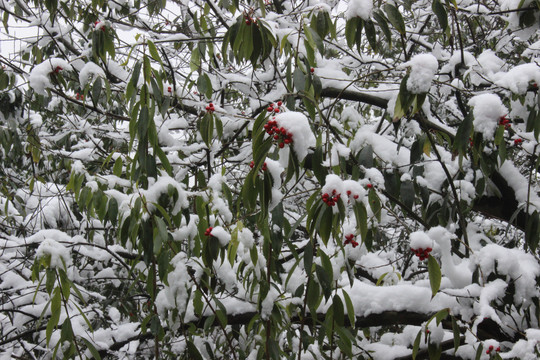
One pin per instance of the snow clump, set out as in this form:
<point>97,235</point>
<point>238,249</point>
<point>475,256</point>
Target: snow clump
<point>420,240</point>
<point>361,8</point>
<point>90,69</point>
<point>487,112</point>
<point>40,74</point>
<point>423,69</point>
<point>60,255</point>
<point>298,125</point>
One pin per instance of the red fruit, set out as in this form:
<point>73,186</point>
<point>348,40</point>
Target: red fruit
<point>369,186</point>
<point>491,347</point>
<point>499,348</point>
<point>487,351</point>
<point>429,249</point>
<point>287,141</point>
<point>58,69</point>
<point>169,89</point>
<point>276,110</point>
<point>281,145</point>
<point>264,167</point>
<point>269,109</point>
<point>252,164</point>
<point>279,103</point>
<point>518,141</point>
<point>348,192</point>
<point>355,197</point>
<point>334,192</point>
<point>312,70</point>
<point>354,243</point>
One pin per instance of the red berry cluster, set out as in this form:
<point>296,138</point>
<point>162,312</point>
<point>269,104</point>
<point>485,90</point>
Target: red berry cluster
<point>518,141</point>
<point>58,69</point>
<point>349,239</point>
<point>312,70</point>
<point>490,349</point>
<point>263,167</point>
<point>355,196</point>
<point>208,231</point>
<point>505,121</point>
<point>169,89</point>
<point>79,96</point>
<point>272,108</point>
<point>281,134</point>
<point>210,108</point>
<point>249,20</point>
<point>96,23</point>
<point>331,200</point>
<point>422,253</point>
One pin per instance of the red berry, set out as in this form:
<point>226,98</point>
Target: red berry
<point>354,243</point>
<point>498,349</point>
<point>281,145</point>
<point>276,110</point>
<point>58,69</point>
<point>264,167</point>
<point>269,109</point>
<point>518,141</point>
<point>287,141</point>
<point>169,89</point>
<point>279,103</point>
<point>312,70</point>
<point>369,186</point>
<point>355,197</point>
<point>252,164</point>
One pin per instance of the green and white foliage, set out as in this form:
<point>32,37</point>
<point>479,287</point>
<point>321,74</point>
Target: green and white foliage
<point>277,179</point>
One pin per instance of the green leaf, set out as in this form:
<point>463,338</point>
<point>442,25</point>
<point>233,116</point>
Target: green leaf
<point>350,309</point>
<point>92,349</point>
<point>299,80</point>
<point>416,345</point>
<point>440,11</point>
<point>204,85</point>
<point>325,280</point>
<point>153,51</point>
<point>434,272</point>
<point>457,334</point>
<point>193,352</point>
<point>395,17</point>
<point>339,312</point>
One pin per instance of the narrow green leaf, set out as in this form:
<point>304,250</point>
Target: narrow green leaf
<point>434,275</point>
<point>395,17</point>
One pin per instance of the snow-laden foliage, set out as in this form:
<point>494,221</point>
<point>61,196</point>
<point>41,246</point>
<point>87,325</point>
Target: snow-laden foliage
<point>269,179</point>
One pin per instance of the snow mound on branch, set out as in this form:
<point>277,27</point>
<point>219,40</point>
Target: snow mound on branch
<point>222,235</point>
<point>520,267</point>
<point>60,255</point>
<point>361,8</point>
<point>488,110</point>
<point>298,125</point>
<point>40,74</point>
<point>518,79</point>
<point>420,240</point>
<point>161,186</point>
<point>90,69</point>
<point>423,69</point>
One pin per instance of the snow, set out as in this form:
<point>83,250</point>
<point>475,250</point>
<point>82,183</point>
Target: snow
<point>90,69</point>
<point>519,78</point>
<point>221,234</point>
<point>40,76</point>
<point>423,69</point>
<point>420,240</point>
<point>488,110</point>
<point>60,257</point>
<point>297,124</point>
<point>361,8</point>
